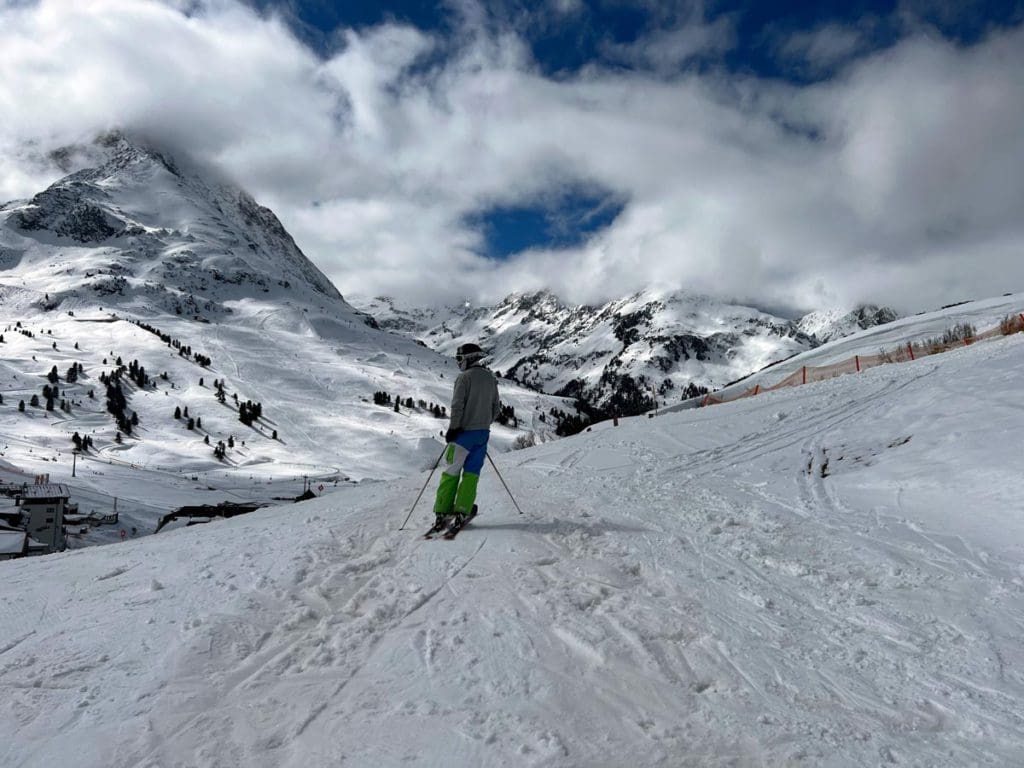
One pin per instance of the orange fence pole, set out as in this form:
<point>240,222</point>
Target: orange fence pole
<point>910,348</point>
<point>757,388</point>
<point>856,359</point>
<point>805,374</point>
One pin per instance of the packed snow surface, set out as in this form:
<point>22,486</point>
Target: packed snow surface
<point>828,575</point>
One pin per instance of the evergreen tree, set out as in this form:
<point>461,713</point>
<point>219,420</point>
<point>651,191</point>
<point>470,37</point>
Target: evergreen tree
<point>52,376</point>
<point>177,412</point>
<point>191,424</point>
<point>21,406</point>
<point>275,434</point>
<point>34,402</point>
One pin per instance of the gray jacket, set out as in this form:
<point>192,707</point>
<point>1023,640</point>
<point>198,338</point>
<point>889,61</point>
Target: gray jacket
<point>475,401</point>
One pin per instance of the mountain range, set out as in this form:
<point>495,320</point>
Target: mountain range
<point>625,356</point>
<point>140,259</point>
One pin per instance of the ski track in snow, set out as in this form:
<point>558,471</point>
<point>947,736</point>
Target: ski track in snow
<point>790,580</point>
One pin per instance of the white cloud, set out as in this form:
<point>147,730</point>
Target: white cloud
<point>823,48</point>
<point>669,49</point>
<point>908,190</point>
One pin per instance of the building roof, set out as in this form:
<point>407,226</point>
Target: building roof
<point>48,491</point>
<point>12,542</point>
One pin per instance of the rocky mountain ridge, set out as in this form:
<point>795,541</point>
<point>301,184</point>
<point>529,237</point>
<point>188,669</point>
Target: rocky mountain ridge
<point>624,356</point>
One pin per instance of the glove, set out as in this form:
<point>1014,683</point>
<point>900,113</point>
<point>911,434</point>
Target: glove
<point>451,434</point>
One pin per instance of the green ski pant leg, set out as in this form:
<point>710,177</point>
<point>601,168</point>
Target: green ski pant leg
<point>445,499</point>
<point>467,493</point>
<point>454,458</point>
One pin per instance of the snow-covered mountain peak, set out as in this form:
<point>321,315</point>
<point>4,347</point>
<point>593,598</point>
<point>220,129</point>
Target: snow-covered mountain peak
<point>828,324</point>
<point>152,230</point>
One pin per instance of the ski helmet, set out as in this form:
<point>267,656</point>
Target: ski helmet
<point>467,355</point>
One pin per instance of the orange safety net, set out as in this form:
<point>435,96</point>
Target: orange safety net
<point>900,354</point>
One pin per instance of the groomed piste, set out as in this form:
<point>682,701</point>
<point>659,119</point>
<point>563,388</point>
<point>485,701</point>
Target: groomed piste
<point>824,575</point>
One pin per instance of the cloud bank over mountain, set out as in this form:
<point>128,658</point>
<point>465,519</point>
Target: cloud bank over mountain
<point>899,179</point>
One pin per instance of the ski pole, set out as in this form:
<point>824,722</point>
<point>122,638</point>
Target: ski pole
<point>436,464</point>
<point>503,482</point>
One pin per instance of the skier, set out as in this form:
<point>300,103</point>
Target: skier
<point>475,405</point>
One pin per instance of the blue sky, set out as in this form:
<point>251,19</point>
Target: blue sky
<point>794,155</point>
<point>584,34</point>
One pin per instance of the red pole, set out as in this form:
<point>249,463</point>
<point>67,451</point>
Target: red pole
<point>757,388</point>
<point>856,359</point>
<point>910,348</point>
<point>805,375</point>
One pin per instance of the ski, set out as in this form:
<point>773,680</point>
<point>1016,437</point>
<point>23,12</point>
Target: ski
<point>436,528</point>
<point>457,525</point>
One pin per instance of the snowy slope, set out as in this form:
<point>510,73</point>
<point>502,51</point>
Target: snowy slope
<point>828,575</point>
<point>621,356</point>
<point>135,235</point>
